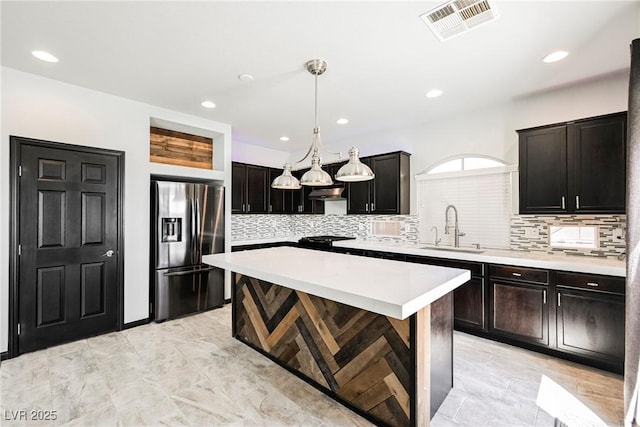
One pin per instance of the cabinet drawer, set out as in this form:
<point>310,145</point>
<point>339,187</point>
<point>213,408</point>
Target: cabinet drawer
<point>520,273</point>
<point>476,268</point>
<point>592,282</point>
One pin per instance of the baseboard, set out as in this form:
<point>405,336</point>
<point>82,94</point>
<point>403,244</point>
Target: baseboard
<point>227,301</point>
<point>136,323</point>
<point>4,355</point>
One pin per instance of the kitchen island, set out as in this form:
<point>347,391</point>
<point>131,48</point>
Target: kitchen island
<point>374,334</point>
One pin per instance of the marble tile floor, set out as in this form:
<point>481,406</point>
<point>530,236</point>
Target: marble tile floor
<point>190,372</point>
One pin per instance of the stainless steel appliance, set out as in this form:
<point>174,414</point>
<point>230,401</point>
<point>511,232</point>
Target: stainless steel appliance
<point>187,222</point>
<point>321,241</point>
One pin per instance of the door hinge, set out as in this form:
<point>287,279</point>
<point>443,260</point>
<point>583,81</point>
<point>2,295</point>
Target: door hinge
<point>19,170</point>
<point>19,330</point>
<point>19,250</point>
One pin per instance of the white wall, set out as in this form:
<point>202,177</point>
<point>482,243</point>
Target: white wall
<point>254,154</point>
<point>46,109</point>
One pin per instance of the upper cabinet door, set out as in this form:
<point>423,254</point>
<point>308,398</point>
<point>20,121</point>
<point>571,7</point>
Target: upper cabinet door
<point>390,187</point>
<point>257,184</point>
<point>238,187</point>
<point>543,170</point>
<point>597,149</point>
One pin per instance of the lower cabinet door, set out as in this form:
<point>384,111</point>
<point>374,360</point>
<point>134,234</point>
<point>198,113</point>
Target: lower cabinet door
<point>519,311</point>
<point>468,304</point>
<point>591,324</point>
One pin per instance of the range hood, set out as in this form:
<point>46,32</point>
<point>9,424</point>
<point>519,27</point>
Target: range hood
<point>333,193</point>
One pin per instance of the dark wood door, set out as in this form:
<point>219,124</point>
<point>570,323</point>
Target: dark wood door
<point>238,187</point>
<point>519,311</point>
<point>543,170</point>
<point>385,186</point>
<point>597,154</point>
<point>277,198</point>
<point>257,187</point>
<point>591,324</point>
<point>358,198</point>
<point>68,264</point>
<point>468,304</point>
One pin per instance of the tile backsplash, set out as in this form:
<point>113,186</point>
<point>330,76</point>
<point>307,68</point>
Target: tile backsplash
<point>399,228</point>
<point>404,229</point>
<point>608,245</point>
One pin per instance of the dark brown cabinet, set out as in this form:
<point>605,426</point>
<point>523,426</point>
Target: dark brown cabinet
<point>518,304</point>
<point>574,167</point>
<point>249,188</point>
<point>301,202</point>
<point>575,316</point>
<point>469,299</point>
<point>590,317</point>
<point>282,201</point>
<point>388,192</point>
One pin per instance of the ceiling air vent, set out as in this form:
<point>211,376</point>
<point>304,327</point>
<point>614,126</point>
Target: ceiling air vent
<point>458,16</point>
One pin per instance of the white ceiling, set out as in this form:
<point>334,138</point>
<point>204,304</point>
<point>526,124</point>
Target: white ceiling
<point>381,58</point>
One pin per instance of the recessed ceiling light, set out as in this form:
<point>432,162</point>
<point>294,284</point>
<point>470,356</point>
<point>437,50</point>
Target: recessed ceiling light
<point>433,93</point>
<point>44,56</point>
<point>208,104</point>
<point>284,138</point>
<point>555,56</point>
<point>342,121</point>
<point>245,77</point>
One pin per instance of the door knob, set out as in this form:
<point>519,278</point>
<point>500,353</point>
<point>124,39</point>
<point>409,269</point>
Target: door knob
<point>108,254</point>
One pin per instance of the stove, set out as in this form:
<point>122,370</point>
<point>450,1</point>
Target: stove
<point>321,241</point>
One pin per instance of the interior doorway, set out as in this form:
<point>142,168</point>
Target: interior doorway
<point>66,262</point>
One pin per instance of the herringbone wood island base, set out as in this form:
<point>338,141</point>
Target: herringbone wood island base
<point>394,372</point>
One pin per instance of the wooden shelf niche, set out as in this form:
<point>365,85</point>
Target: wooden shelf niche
<point>180,149</point>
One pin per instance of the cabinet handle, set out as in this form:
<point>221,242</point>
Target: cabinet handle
<point>516,274</point>
<point>559,295</point>
<point>270,208</point>
<point>243,207</point>
<point>593,284</point>
<point>563,202</point>
<point>544,297</point>
<point>248,207</point>
<point>372,207</point>
<point>577,202</point>
<point>366,207</point>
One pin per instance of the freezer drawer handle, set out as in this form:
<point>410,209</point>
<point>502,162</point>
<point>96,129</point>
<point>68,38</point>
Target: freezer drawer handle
<point>516,274</point>
<point>593,284</point>
<point>185,273</point>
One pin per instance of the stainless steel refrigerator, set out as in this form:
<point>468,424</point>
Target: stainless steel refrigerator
<point>187,222</point>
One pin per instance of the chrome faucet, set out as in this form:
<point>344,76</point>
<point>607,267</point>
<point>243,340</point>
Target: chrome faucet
<point>437,241</point>
<point>456,232</point>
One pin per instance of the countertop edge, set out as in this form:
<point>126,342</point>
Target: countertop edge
<point>378,306</point>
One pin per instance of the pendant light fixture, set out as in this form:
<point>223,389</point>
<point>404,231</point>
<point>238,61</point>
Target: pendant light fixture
<point>354,170</point>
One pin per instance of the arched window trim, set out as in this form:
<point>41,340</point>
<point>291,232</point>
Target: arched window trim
<point>425,174</point>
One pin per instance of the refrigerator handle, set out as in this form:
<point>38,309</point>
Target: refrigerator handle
<point>192,242</point>
<point>198,239</point>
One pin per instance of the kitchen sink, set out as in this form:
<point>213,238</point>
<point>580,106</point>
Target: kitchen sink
<point>452,249</point>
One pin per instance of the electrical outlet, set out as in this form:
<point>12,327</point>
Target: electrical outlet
<point>531,233</point>
<point>618,234</point>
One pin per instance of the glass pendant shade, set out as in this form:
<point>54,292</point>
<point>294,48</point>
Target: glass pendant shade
<point>354,170</point>
<point>315,176</point>
<point>286,181</point>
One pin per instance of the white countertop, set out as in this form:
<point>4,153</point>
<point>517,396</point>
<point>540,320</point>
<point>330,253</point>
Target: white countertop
<point>391,288</point>
<point>574,263</point>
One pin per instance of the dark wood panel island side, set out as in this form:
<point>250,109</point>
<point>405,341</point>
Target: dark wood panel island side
<point>394,370</point>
